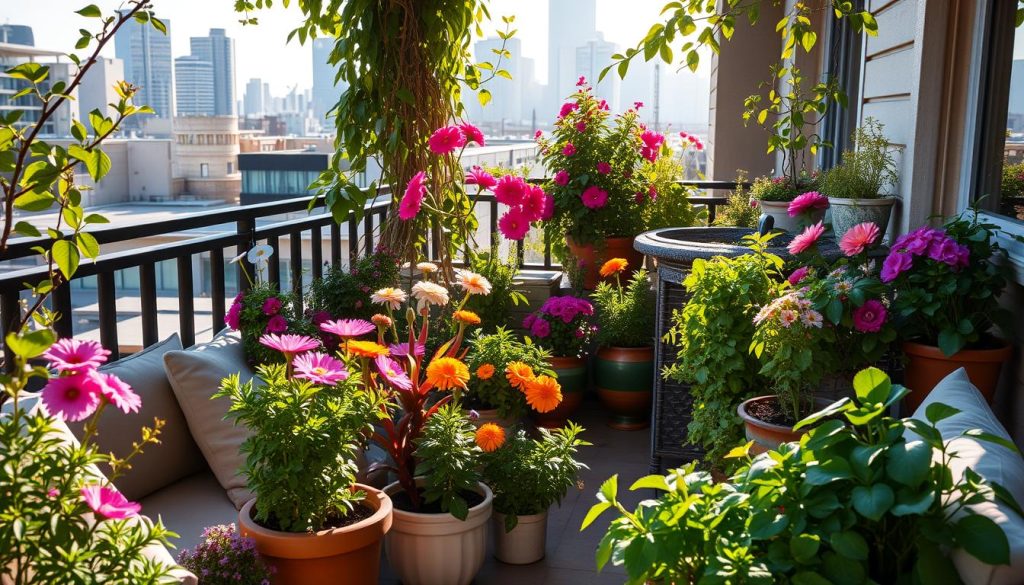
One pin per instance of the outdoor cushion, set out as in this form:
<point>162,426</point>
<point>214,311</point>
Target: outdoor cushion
<point>195,375</point>
<point>991,461</point>
<point>177,455</point>
<point>190,505</point>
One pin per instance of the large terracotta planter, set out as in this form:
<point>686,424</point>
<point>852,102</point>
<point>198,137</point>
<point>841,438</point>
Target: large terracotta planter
<point>926,366</point>
<point>847,213</point>
<point>526,542</point>
<point>779,210</point>
<point>344,556</point>
<point>572,377</point>
<point>767,436</point>
<point>591,257</point>
<point>624,377</point>
<point>438,549</point>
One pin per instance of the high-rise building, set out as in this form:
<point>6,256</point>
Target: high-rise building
<point>506,94</point>
<point>254,98</point>
<point>325,92</point>
<point>97,88</point>
<point>194,86</point>
<point>17,34</point>
<point>591,58</point>
<point>219,50</point>
<point>59,123</point>
<point>571,24</point>
<point>146,53</point>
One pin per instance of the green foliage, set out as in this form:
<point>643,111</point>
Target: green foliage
<point>495,309</point>
<point>528,475</point>
<point>868,170</point>
<point>671,205</point>
<point>625,314</point>
<point>300,455</point>
<point>741,210</point>
<point>861,498</point>
<point>449,460</point>
<point>713,334</point>
<point>499,349</point>
<point>256,319</point>
<point>1011,190</point>
<point>346,293</point>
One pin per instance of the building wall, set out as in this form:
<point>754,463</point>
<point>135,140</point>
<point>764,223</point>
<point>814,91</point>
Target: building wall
<point>206,156</point>
<point>97,88</point>
<point>146,53</point>
<point>140,171</point>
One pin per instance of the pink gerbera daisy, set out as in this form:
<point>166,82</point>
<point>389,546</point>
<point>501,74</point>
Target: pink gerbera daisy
<point>858,238</point>
<point>510,190</point>
<point>535,203</point>
<point>568,149</point>
<point>118,392</point>
<point>807,239</point>
<point>348,327</point>
<point>73,397</point>
<point>109,503</point>
<point>472,133</point>
<point>393,373</point>
<point>289,344</point>
<point>514,224</point>
<point>415,191</point>
<point>594,197</point>
<point>807,203</point>
<point>446,139</point>
<point>798,275</point>
<point>402,349</point>
<point>319,368</point>
<point>75,355</point>
<point>478,176</point>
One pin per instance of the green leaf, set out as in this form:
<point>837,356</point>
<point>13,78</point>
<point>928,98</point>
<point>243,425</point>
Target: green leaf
<point>983,539</point>
<point>872,386</point>
<point>32,344</point>
<point>804,547</point>
<point>1004,495</point>
<point>990,438</point>
<point>828,471</point>
<point>90,11</point>
<point>933,566</point>
<point>836,407</point>
<point>765,525</point>
<point>810,578</point>
<point>909,463</point>
<point>87,245</point>
<point>595,511</point>
<point>95,218</point>
<point>654,482</point>
<point>850,544</point>
<point>609,489</point>
<point>26,229</point>
<point>33,201</point>
<point>484,97</point>
<point>65,254</point>
<point>741,451</point>
<point>938,411</point>
<point>950,341</point>
<point>909,503</point>
<point>874,501</point>
<point>96,161</point>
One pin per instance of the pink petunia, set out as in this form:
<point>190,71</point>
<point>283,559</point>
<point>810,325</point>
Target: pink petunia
<point>807,203</point>
<point>869,317</point>
<point>472,133</point>
<point>537,135</point>
<point>348,327</point>
<point>807,239</point>
<point>72,398</point>
<point>566,109</point>
<point>652,144</point>
<point>594,197</point>
<point>446,139</point>
<point>289,343</point>
<point>540,329</point>
<point>109,503</point>
<point>319,368</point>
<point>481,178</point>
<point>638,105</point>
<point>118,392</point>
<point>549,208</point>
<point>393,373</point>
<point>271,306</point>
<point>277,324</point>
<point>652,192</point>
<point>603,105</point>
<point>604,168</point>
<point>798,275</point>
<point>510,190</point>
<point>411,202</point>
<point>233,317</point>
<point>581,126</point>
<point>514,224</point>
<point>568,149</point>
<point>75,355</point>
<point>859,238</point>
<point>581,81</point>
<point>562,178</point>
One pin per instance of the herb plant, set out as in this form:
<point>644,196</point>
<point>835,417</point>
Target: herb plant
<point>346,293</point>
<point>449,460</point>
<point>625,314</point>
<point>741,210</point>
<point>866,171</point>
<point>488,358</point>
<point>224,557</point>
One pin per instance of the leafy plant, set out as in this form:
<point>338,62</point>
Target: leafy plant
<point>260,310</point>
<point>489,356</point>
<point>346,293</point>
<point>861,498</point>
<point>449,460</point>
<point>528,475</point>
<point>781,188</point>
<point>495,309</point>
<point>224,557</point>
<point>866,171</point>
<point>668,204</point>
<point>1011,190</point>
<point>625,314</point>
<point>562,325</point>
<point>741,210</point>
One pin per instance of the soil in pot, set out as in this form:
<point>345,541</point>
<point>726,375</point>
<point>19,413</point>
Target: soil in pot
<point>402,501</point>
<point>768,425</point>
<point>358,513</point>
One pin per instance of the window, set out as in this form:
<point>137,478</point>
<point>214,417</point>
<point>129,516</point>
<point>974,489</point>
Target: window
<point>231,167</point>
<point>204,169</point>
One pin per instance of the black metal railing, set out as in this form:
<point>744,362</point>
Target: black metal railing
<point>247,233</point>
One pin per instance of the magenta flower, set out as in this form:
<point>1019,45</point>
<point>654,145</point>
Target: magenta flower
<point>393,373</point>
<point>581,81</point>
<point>481,178</point>
<point>472,133</point>
<point>581,126</point>
<point>72,398</point>
<point>402,349</point>
<point>446,139</point>
<point>638,197</point>
<point>562,178</point>
<point>348,327</point>
<point>109,503</point>
<point>514,224</point>
<point>895,263</point>
<point>652,144</point>
<point>233,317</point>
<point>537,135</point>
<point>540,329</point>
<point>276,324</point>
<point>118,392</point>
<point>798,275</point>
<point>510,190</point>
<point>569,149</point>
<point>652,192</point>
<point>869,317</point>
<point>319,368</point>
<point>603,105</point>
<point>594,197</point>
<point>566,109</point>
<point>549,208</point>
<point>946,251</point>
<point>271,306</point>
<point>604,168</point>
<point>807,203</point>
<point>535,203</point>
<point>858,238</point>
<point>638,105</point>
<point>75,355</point>
<point>415,191</point>
<point>529,320</point>
<point>807,239</point>
<point>289,344</point>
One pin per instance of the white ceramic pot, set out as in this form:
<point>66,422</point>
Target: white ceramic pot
<point>779,210</point>
<point>847,213</point>
<point>438,549</point>
<point>526,542</point>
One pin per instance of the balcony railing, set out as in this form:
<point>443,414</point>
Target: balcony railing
<point>247,233</point>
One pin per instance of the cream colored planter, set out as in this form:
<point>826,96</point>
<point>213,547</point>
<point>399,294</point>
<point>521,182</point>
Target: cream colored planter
<point>847,213</point>
<point>438,549</point>
<point>527,541</point>
<point>780,211</point>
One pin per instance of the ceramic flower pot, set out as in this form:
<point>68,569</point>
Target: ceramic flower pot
<point>572,377</point>
<point>349,555</point>
<point>624,377</point>
<point>847,213</point>
<point>765,435</point>
<point>590,258</point>
<point>926,366</point>
<point>526,542</point>
<point>779,211</point>
<point>438,549</point>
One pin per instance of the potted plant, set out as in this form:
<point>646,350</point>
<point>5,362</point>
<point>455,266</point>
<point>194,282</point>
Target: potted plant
<point>491,394</point>
<point>562,326</point>
<point>624,364</point>
<point>600,185</point>
<point>345,293</point>
<point>947,283</point>
<point>857,186</point>
<point>309,516</point>
<point>224,557</point>
<point>527,476</point>
<point>780,198</point>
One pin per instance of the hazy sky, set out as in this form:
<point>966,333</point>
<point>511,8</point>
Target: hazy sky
<point>261,50</point>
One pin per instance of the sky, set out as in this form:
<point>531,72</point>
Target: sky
<point>261,50</point>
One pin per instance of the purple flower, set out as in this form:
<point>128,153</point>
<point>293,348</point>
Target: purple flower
<point>393,373</point>
<point>277,324</point>
<point>541,328</point>
<point>895,264</point>
<point>271,306</point>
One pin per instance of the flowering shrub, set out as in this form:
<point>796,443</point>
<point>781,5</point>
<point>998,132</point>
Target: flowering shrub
<point>495,308</point>
<point>562,325</point>
<point>346,293</point>
<point>625,314</point>
<point>781,188</point>
<point>259,311</point>
<point>224,557</point>
<point>489,357</point>
<point>741,210</point>
<point>947,283</point>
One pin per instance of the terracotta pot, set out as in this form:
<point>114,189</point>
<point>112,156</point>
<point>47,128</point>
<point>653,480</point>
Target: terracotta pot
<point>926,366</point>
<point>847,213</point>
<point>526,542</point>
<point>768,436</point>
<point>572,377</point>
<point>779,210</point>
<point>490,415</point>
<point>345,556</point>
<point>438,549</point>
<point>591,257</point>
<point>624,377</point>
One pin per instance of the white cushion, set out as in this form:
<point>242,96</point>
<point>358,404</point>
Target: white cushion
<point>993,462</point>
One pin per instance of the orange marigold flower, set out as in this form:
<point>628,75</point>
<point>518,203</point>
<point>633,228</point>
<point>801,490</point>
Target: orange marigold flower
<point>447,373</point>
<point>614,265</point>
<point>367,349</point>
<point>467,317</point>
<point>543,394</point>
<point>490,436</point>
<point>519,375</point>
<point>485,372</point>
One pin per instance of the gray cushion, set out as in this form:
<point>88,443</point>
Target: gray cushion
<point>189,506</point>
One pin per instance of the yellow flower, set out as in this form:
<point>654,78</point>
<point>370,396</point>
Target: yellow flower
<point>367,349</point>
<point>543,394</point>
<point>614,265</point>
<point>467,317</point>
<point>447,373</point>
<point>485,372</point>
<point>519,375</point>
<point>490,436</point>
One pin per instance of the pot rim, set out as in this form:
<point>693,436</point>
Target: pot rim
<point>887,200</point>
<point>626,348</point>
<point>576,361</point>
<point>478,513</point>
<point>741,410</point>
<point>994,354</point>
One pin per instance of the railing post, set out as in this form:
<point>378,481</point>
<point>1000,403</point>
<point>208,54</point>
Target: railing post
<point>245,229</point>
<point>10,314</point>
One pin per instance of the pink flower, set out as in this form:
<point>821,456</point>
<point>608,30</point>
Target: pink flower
<point>594,197</point>
<point>472,133</point>
<point>549,208</point>
<point>289,344</point>
<point>480,177</point>
<point>567,108</point>
<point>604,168</point>
<point>895,264</point>
<point>698,145</point>
<point>271,306</point>
<point>535,203</point>
<point>945,250</point>
<point>319,368</point>
<point>277,324</point>
<point>540,328</point>
<point>652,143</point>
<point>652,192</point>
<point>858,238</point>
<point>393,373</point>
<point>402,349</point>
<point>73,397</point>
<point>109,503</point>
<point>118,392</point>
<point>787,317</point>
<point>581,81</point>
<point>510,190</point>
<point>581,126</point>
<point>798,275</point>
<point>233,317</point>
<point>569,149</point>
<point>75,355</point>
<point>639,197</point>
<point>638,105</point>
<point>603,105</point>
<point>869,317</point>
<point>447,139</point>
<point>415,191</point>
<point>348,327</point>
<point>537,135</point>
<point>514,224</point>
<point>807,203</point>
<point>807,239</point>
<point>754,204</point>
<point>529,320</point>
<point>562,178</point>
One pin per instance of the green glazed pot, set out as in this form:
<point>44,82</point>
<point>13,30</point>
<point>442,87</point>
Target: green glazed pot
<point>625,377</point>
